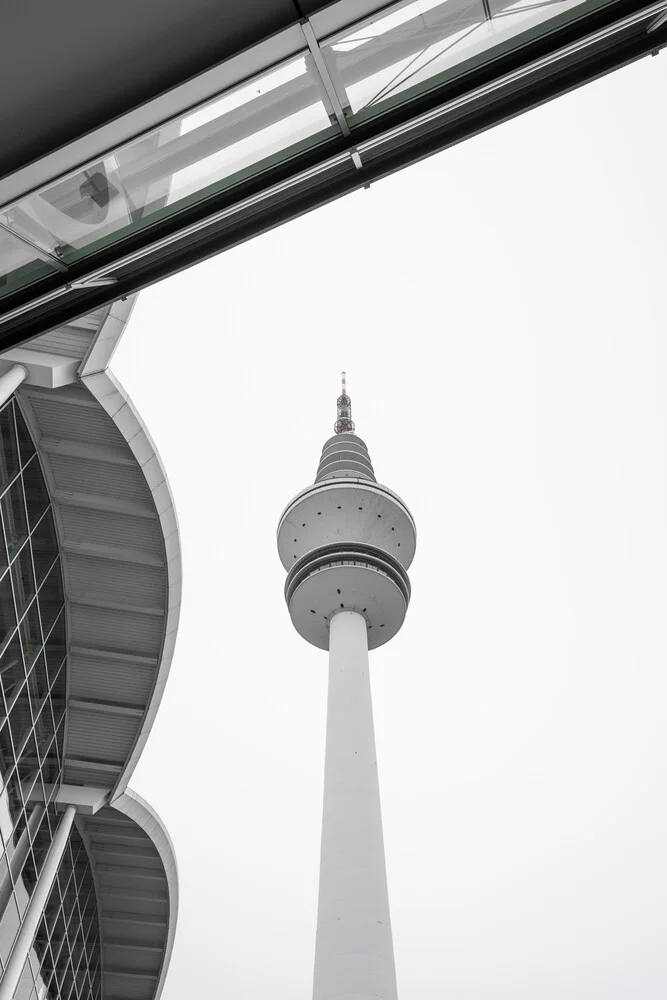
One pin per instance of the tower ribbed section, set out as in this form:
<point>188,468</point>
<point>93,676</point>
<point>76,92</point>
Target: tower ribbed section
<point>345,456</point>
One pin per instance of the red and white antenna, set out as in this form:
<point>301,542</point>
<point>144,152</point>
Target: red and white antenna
<point>344,424</point>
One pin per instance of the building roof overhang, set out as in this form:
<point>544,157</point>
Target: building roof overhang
<point>119,543</point>
<point>173,126</point>
<point>136,879</point>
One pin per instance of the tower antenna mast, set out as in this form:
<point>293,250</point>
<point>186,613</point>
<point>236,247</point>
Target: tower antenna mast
<point>344,424</point>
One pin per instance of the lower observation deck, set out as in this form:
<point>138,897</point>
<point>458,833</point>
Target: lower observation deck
<point>329,103</point>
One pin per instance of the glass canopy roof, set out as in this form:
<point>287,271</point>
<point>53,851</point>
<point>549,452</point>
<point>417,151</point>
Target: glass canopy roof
<point>324,97</point>
<point>272,117</point>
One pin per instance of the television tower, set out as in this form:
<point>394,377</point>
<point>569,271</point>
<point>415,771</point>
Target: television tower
<point>347,542</point>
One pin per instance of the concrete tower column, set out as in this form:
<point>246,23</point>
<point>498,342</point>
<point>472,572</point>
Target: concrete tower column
<point>354,957</point>
<point>347,543</point>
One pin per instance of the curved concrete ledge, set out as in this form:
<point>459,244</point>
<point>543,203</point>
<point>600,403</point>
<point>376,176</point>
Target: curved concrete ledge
<point>121,560</point>
<point>136,880</point>
<point>117,404</point>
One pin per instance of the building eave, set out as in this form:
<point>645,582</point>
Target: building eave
<point>136,879</point>
<point>121,558</point>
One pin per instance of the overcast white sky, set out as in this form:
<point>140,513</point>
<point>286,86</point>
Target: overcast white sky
<point>500,312</point>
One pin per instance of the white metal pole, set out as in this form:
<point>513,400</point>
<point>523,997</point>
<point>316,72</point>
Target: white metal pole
<point>354,955</point>
<point>11,380</point>
<point>20,854</point>
<point>38,900</point>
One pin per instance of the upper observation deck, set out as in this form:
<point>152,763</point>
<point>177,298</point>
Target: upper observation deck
<point>150,136</point>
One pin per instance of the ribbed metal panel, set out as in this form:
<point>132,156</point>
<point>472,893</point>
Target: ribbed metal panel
<point>57,419</point>
<point>118,956</point>
<point>91,321</point>
<point>128,854</point>
<point>129,988</point>
<point>67,341</point>
<point>99,478</point>
<point>109,879</point>
<point>117,631</point>
<point>93,677</point>
<point>135,878</point>
<point>99,778</point>
<point>149,935</point>
<point>144,586</point>
<point>104,528</point>
<point>153,905</point>
<point>110,735</point>
<point>128,862</point>
<point>117,837</point>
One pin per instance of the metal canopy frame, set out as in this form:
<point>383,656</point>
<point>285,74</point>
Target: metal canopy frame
<point>553,63</point>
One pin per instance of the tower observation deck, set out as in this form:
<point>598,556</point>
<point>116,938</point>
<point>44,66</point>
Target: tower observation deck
<point>347,543</point>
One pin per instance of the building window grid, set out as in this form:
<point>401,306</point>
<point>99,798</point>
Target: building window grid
<point>31,737</point>
<point>68,939</point>
<point>42,756</point>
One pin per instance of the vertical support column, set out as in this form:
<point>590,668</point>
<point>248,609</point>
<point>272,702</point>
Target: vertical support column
<point>354,954</point>
<point>38,900</point>
<point>11,380</point>
<point>17,859</point>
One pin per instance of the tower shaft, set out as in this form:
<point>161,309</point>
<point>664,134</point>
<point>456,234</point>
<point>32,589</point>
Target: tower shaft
<point>354,955</point>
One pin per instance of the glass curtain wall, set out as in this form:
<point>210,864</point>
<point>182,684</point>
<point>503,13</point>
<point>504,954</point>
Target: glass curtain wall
<point>64,962</point>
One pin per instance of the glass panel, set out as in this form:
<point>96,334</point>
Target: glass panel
<point>55,920</point>
<point>9,458</point>
<point>232,137</point>
<point>20,722</point>
<point>7,611</point>
<point>36,495</point>
<point>19,265</point>
<point>9,925</point>
<point>51,597</point>
<point>23,579</point>
<point>26,984</point>
<point>26,444</point>
<point>28,766</point>
<point>39,680</point>
<point>14,518</point>
<point>55,648</point>
<point>41,713</point>
<point>31,634</point>
<point>50,763</point>
<point>12,673</point>
<point>416,46</point>
<point>44,546</point>
<point>29,874</point>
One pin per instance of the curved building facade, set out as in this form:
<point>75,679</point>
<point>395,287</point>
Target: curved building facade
<point>89,601</point>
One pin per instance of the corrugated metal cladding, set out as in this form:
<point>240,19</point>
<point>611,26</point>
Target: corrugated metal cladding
<point>65,422</point>
<point>135,903</point>
<point>65,341</point>
<point>146,585</point>
<point>110,734</point>
<point>104,528</point>
<point>99,478</point>
<point>103,677</point>
<point>115,574</point>
<point>73,340</point>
